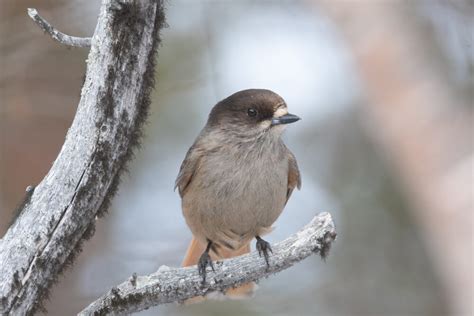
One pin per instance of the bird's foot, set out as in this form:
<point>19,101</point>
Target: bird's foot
<point>204,261</point>
<point>264,248</point>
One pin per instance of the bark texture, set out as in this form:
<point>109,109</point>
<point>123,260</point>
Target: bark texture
<point>62,209</point>
<point>169,285</point>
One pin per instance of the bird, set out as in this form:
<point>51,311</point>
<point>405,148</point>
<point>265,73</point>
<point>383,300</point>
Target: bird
<point>236,179</point>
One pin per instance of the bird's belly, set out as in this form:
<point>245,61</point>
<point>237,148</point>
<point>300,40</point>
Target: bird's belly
<point>234,204</point>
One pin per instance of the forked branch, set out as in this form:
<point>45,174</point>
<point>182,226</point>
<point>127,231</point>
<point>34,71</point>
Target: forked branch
<point>60,213</point>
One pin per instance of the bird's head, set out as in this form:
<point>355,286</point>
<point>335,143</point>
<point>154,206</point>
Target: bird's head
<point>250,112</point>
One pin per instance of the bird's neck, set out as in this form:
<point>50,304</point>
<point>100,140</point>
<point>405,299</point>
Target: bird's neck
<point>258,142</point>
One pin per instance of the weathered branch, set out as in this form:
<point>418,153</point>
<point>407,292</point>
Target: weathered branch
<point>61,211</point>
<point>55,34</point>
<point>177,284</point>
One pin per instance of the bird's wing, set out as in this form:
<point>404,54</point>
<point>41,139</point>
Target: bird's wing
<point>294,178</point>
<point>188,168</point>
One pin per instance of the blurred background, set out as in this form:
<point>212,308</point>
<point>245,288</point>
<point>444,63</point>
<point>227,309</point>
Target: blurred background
<point>385,89</point>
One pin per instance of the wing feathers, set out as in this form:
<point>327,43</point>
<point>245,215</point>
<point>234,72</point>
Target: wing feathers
<point>188,169</point>
<point>294,178</point>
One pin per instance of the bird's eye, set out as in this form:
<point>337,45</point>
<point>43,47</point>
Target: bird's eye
<point>251,112</point>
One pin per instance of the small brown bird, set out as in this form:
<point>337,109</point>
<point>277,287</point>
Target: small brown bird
<point>236,179</point>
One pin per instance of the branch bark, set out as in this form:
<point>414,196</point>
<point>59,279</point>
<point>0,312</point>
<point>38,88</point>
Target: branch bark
<point>55,34</point>
<point>169,285</point>
<point>61,211</point>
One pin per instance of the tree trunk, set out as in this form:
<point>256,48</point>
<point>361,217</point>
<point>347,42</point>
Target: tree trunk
<point>60,212</point>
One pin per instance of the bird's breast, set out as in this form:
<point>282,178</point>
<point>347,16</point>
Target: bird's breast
<point>241,191</point>
<point>257,176</point>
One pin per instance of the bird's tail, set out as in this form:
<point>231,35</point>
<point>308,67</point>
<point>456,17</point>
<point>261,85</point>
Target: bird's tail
<point>196,249</point>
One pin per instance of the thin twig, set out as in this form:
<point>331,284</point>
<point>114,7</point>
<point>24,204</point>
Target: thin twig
<point>169,285</point>
<point>55,34</point>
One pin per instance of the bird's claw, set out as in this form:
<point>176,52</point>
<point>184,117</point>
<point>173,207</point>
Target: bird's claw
<point>263,247</point>
<point>204,261</point>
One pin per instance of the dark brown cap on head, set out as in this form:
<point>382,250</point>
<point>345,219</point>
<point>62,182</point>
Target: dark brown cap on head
<point>246,107</point>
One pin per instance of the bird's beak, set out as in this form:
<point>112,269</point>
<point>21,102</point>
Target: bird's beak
<point>285,119</point>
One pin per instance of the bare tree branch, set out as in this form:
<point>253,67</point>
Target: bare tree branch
<point>61,211</point>
<point>169,285</point>
<point>55,34</point>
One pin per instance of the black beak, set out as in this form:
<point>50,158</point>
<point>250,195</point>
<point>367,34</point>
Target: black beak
<point>285,119</point>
